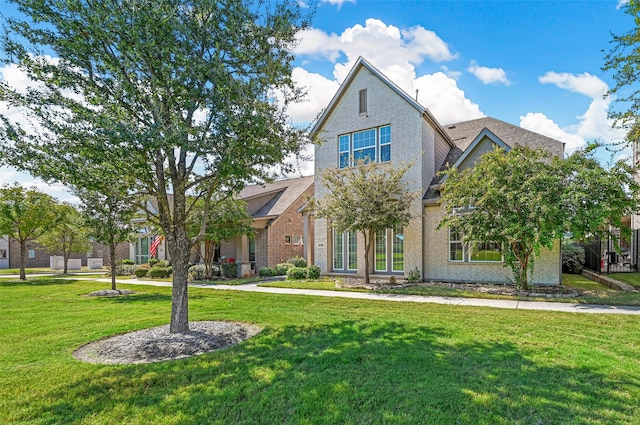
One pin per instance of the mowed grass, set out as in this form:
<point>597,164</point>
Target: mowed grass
<point>318,361</point>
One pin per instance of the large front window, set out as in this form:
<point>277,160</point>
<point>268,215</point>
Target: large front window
<point>390,241</point>
<point>475,252</point>
<point>345,251</point>
<point>142,250</point>
<point>372,145</point>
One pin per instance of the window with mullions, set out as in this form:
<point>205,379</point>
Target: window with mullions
<point>390,240</point>
<point>477,252</point>
<point>345,251</point>
<point>368,145</point>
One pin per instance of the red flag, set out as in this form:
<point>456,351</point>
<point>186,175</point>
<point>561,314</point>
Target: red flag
<point>153,249</point>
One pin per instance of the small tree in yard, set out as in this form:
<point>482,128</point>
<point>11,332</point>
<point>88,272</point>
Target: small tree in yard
<point>69,235</point>
<point>366,198</point>
<point>525,201</point>
<point>25,215</point>
<point>185,98</point>
<point>109,214</point>
<point>228,218</point>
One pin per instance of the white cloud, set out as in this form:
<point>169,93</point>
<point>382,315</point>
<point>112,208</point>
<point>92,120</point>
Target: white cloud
<point>622,3</point>
<point>373,41</point>
<point>489,75</point>
<point>540,123</point>
<point>319,90</point>
<point>338,3</point>
<point>445,99</point>
<point>592,125</point>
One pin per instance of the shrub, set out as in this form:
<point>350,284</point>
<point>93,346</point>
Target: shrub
<point>197,272</point>
<point>158,272</point>
<point>414,276</point>
<point>126,261</point>
<point>392,280</point>
<point>296,273</point>
<point>297,261</point>
<point>313,272</point>
<point>229,269</point>
<point>169,270</point>
<point>153,261</point>
<point>267,272</point>
<point>281,269</point>
<point>140,272</point>
<point>161,263</point>
<point>572,259</point>
<point>125,269</point>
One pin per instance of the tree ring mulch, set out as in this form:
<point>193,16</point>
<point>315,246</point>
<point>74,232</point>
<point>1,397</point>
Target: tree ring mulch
<point>158,345</point>
<point>111,293</point>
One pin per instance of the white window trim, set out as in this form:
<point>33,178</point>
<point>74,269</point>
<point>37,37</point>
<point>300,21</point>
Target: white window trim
<point>377,146</point>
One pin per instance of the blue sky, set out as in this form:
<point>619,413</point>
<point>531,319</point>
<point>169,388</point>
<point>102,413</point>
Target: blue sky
<point>536,64</point>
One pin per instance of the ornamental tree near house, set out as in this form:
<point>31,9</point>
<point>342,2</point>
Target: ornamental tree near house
<point>228,218</point>
<point>25,215</point>
<point>179,96</point>
<point>69,235</point>
<point>366,198</point>
<point>526,201</point>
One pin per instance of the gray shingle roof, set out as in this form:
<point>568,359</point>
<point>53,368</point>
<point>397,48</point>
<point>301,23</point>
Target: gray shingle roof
<point>283,194</point>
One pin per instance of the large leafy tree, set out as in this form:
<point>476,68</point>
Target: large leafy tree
<point>178,95</point>
<point>366,198</point>
<point>525,201</point>
<point>25,215</point>
<point>70,234</point>
<point>623,60</point>
<point>228,218</point>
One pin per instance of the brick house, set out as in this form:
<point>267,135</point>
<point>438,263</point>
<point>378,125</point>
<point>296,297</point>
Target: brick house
<point>370,116</point>
<point>282,230</point>
<point>39,257</point>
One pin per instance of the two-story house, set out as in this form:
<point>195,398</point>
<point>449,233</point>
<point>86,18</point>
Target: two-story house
<point>371,117</point>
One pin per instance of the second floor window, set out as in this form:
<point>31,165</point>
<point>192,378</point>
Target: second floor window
<point>369,145</point>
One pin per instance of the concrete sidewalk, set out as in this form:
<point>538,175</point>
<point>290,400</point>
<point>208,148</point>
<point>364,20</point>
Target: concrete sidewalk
<point>459,301</point>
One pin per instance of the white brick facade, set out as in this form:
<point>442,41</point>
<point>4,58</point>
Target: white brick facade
<point>415,138</point>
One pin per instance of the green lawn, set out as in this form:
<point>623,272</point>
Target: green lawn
<point>632,279</point>
<point>592,292</point>
<point>318,361</point>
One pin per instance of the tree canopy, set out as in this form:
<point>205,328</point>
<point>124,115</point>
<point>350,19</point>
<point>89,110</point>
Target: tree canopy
<point>70,234</point>
<point>178,96</point>
<point>25,214</point>
<point>623,60</point>
<point>525,201</point>
<point>366,198</point>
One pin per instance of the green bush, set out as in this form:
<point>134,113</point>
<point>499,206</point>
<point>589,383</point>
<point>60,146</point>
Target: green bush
<point>126,269</point>
<point>161,263</point>
<point>229,269</point>
<point>197,272</point>
<point>297,261</point>
<point>313,272</point>
<point>126,261</point>
<point>281,269</point>
<point>158,272</point>
<point>414,276</point>
<point>267,272</point>
<point>572,259</point>
<point>153,261</point>
<point>140,272</point>
<point>295,273</point>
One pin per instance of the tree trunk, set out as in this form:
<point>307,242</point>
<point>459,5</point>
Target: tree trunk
<point>112,265</point>
<point>65,257</point>
<point>367,248</point>
<point>23,256</point>
<point>180,248</point>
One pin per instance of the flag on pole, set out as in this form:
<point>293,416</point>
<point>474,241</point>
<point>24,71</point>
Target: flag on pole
<point>153,249</point>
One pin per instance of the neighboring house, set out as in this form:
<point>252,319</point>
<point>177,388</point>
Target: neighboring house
<point>371,117</point>
<point>37,256</point>
<point>282,231</point>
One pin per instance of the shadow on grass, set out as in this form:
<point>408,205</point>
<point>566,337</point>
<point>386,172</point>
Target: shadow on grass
<point>135,298</point>
<point>348,372</point>
<point>36,281</point>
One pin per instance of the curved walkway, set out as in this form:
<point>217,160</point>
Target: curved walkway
<point>475,302</point>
